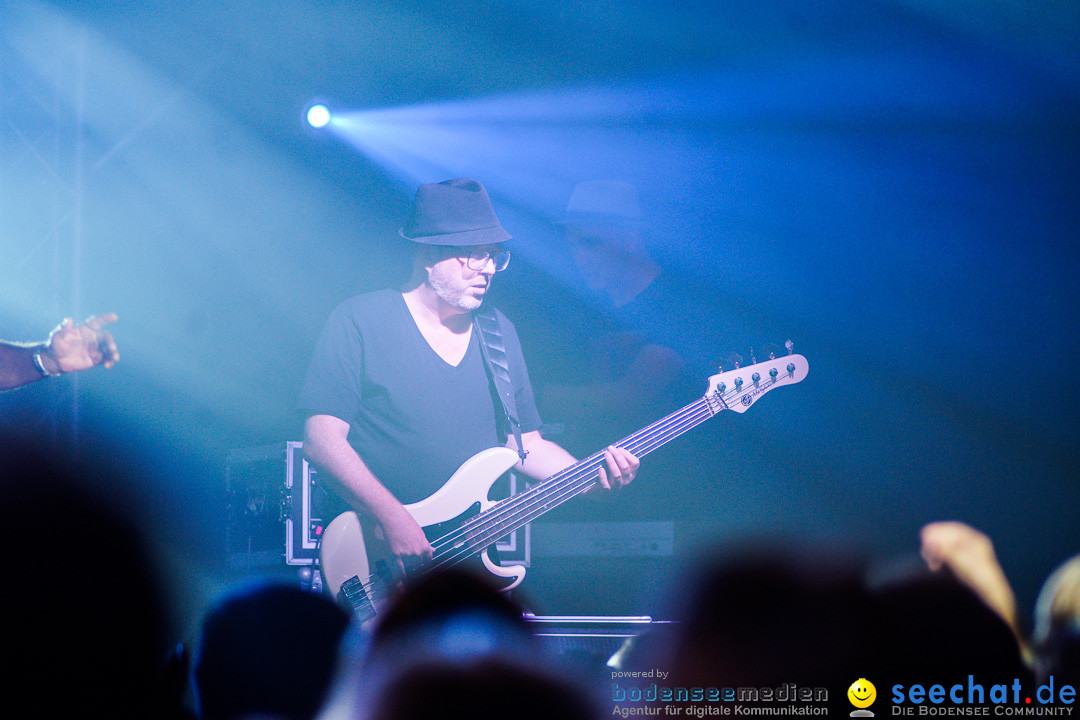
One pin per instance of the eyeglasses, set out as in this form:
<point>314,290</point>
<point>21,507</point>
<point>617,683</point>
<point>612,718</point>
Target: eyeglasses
<point>478,259</point>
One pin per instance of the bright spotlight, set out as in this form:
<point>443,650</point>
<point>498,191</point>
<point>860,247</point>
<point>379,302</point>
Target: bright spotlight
<point>318,116</point>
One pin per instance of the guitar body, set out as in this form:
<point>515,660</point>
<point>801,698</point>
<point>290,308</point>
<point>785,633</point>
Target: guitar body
<point>352,548</point>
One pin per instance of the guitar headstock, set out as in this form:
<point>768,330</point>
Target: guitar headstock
<point>738,389</point>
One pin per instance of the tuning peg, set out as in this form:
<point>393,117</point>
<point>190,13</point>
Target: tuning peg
<point>771,350</point>
<point>790,347</point>
<point>734,360</point>
<point>753,360</point>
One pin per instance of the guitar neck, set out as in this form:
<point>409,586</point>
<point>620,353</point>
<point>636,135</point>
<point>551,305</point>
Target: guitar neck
<point>582,475</point>
<point>735,390</point>
<point>521,509</point>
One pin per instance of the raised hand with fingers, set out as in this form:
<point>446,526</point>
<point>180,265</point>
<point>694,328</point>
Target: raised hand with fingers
<point>74,347</point>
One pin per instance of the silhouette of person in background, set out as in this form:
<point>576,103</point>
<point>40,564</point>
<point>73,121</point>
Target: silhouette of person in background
<point>268,649</point>
<point>631,368</point>
<point>1056,636</point>
<point>490,689</point>
<point>767,613</point>
<point>69,348</point>
<point>968,555</point>
<point>933,625</point>
<point>88,623</point>
<point>435,601</point>
<point>451,645</point>
<point>952,615</point>
<point>763,614</point>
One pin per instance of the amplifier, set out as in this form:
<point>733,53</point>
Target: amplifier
<point>273,516</point>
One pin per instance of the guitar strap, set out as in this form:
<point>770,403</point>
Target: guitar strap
<point>493,350</point>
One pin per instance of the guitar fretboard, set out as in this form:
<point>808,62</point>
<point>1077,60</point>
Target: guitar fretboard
<point>515,512</point>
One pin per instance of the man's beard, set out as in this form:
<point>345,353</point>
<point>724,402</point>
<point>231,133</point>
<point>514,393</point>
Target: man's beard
<point>458,297</point>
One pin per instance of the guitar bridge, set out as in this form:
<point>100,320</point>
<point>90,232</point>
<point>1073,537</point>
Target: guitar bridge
<point>355,596</point>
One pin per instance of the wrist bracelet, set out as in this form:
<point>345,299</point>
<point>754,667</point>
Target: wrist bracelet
<point>40,365</point>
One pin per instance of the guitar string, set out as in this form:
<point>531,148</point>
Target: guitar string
<point>566,484</point>
<point>633,443</point>
<point>481,530</point>
<point>641,442</point>
<point>652,436</point>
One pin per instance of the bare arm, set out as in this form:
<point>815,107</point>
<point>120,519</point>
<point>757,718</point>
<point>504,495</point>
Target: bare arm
<point>546,458</point>
<point>70,348</point>
<point>17,365</point>
<point>969,555</point>
<point>326,445</point>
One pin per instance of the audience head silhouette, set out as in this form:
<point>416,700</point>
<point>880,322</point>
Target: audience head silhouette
<point>268,649</point>
<point>1056,637</point>
<point>90,631</point>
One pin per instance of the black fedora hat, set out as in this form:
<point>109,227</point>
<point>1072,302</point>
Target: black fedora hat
<point>453,212</point>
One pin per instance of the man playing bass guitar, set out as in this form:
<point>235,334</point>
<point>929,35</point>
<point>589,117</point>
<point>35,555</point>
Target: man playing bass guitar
<point>398,395</point>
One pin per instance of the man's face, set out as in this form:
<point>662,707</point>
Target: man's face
<point>456,283</point>
<point>604,255</point>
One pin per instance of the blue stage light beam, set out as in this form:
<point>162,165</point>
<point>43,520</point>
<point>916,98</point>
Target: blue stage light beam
<point>748,149</point>
<point>761,185</point>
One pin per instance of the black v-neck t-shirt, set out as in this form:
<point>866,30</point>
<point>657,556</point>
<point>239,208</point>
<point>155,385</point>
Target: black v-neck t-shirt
<point>413,418</point>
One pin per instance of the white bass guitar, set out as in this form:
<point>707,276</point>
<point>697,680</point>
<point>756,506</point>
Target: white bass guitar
<point>461,522</point>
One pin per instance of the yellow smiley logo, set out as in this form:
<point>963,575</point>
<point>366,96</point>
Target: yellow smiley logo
<point>862,693</point>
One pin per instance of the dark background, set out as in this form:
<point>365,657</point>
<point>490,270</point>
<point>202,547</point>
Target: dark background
<point>892,185</point>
